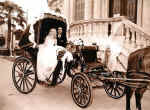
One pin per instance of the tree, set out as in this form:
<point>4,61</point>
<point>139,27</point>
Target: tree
<point>13,15</point>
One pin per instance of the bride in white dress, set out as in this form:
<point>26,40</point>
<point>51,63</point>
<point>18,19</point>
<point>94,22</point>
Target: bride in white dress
<point>47,56</point>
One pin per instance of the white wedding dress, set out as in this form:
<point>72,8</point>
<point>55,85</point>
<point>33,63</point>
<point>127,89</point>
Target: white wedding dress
<point>47,58</point>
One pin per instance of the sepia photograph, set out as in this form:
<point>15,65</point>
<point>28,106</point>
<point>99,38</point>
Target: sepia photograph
<point>74,54</point>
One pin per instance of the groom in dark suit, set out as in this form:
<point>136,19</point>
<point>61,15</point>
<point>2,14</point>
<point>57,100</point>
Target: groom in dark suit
<point>61,38</point>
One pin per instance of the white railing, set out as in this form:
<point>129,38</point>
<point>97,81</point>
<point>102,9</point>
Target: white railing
<point>124,33</point>
<point>119,28</point>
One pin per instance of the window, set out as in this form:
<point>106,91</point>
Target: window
<point>79,9</point>
<point>124,8</point>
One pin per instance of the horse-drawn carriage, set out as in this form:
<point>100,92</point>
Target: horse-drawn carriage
<point>84,60</point>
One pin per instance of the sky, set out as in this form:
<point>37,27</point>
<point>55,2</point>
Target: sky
<point>34,8</point>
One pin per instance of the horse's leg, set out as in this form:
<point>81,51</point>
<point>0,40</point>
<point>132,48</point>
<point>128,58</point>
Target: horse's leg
<point>129,93</point>
<point>138,96</point>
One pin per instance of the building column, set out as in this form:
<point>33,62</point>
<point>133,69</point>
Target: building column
<point>67,12</point>
<point>107,8</point>
<point>97,8</point>
<point>88,10</point>
<point>140,12</point>
<point>104,8</point>
<point>72,10</point>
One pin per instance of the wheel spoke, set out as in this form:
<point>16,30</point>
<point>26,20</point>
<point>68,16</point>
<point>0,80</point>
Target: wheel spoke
<point>76,93</point>
<point>31,78</point>
<point>18,80</point>
<point>114,92</point>
<point>78,98</point>
<point>108,88</point>
<point>85,96</point>
<point>19,68</point>
<point>20,84</point>
<point>26,85</point>
<point>29,82</point>
<point>82,99</point>
<point>82,81</point>
<point>29,73</point>
<point>118,92</point>
<point>23,85</point>
<point>25,67</point>
<point>111,91</point>
<point>120,88</point>
<point>75,87</point>
<point>77,83</point>
<point>29,67</point>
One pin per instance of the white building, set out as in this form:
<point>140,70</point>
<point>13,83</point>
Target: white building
<point>101,21</point>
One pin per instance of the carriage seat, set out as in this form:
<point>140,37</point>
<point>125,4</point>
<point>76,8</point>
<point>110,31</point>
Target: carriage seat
<point>90,53</point>
<point>90,48</point>
<point>90,56</point>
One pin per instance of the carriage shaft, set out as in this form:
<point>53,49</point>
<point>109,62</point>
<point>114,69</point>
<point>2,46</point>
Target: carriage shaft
<point>125,79</point>
<point>135,83</point>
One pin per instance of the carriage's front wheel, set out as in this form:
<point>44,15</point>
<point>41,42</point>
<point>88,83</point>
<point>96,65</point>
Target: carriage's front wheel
<point>24,75</point>
<point>81,90</point>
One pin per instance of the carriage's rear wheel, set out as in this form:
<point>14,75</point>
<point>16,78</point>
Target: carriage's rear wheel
<point>113,88</point>
<point>24,75</point>
<point>81,90</point>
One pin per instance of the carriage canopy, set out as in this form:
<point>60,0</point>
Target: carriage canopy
<point>42,26</point>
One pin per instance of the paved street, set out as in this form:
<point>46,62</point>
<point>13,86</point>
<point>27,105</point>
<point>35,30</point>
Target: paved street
<point>58,98</point>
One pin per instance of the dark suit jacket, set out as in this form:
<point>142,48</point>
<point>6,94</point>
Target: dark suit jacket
<point>62,41</point>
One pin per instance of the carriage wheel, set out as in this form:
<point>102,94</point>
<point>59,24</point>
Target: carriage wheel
<point>24,75</point>
<point>81,90</point>
<point>113,88</point>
